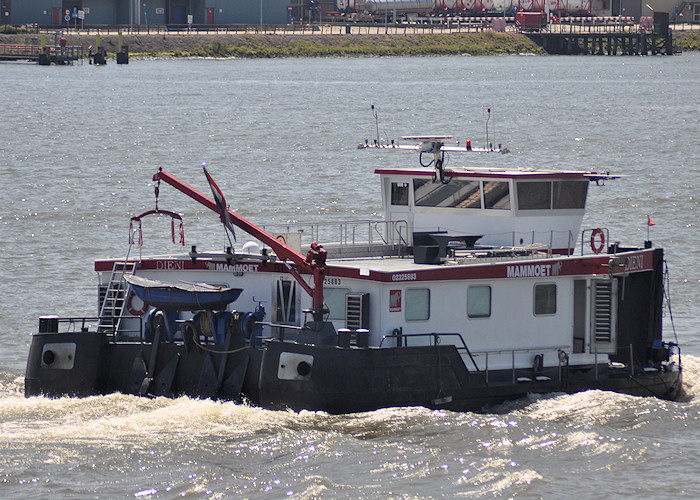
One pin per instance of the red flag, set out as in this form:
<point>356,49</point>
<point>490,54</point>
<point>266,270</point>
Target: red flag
<point>650,222</point>
<point>220,202</point>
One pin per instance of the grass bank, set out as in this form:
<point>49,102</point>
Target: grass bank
<point>315,45</point>
<point>272,46</point>
<point>688,41</point>
<point>264,46</point>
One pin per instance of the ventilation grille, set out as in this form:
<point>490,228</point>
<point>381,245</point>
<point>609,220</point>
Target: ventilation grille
<point>357,311</point>
<point>603,311</point>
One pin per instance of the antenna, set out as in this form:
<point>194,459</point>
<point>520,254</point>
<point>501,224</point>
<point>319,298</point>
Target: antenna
<point>376,123</point>
<point>488,117</point>
<point>432,144</point>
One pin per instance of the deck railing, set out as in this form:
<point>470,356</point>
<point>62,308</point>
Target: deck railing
<point>524,374</point>
<point>517,373</point>
<point>520,374</point>
<point>541,373</point>
<point>395,232</point>
<point>55,324</point>
<point>346,233</point>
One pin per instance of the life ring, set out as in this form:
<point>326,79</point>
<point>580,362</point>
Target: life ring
<point>281,239</point>
<point>131,307</point>
<point>597,248</point>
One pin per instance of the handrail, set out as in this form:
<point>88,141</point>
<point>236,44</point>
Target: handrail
<point>436,336</point>
<point>349,232</point>
<point>402,224</point>
<point>376,229</point>
<point>343,25</point>
<point>402,341</point>
<point>562,355</point>
<point>90,321</point>
<point>120,285</point>
<point>395,232</point>
<point>106,298</point>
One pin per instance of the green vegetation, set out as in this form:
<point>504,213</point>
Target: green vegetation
<point>265,46</point>
<point>254,45</point>
<point>7,29</point>
<point>687,41</point>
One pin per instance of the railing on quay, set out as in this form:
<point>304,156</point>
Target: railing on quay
<point>328,28</point>
<point>35,52</point>
<point>339,26</point>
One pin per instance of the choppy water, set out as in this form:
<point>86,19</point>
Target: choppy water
<point>78,146</point>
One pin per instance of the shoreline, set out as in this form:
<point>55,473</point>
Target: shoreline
<point>256,46</point>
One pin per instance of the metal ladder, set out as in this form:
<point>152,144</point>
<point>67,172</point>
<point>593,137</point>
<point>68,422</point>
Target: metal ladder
<point>115,298</point>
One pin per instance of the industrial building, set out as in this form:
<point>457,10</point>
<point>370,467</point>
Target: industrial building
<point>143,12</point>
<point>77,13</point>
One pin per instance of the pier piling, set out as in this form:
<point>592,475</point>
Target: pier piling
<point>621,43</point>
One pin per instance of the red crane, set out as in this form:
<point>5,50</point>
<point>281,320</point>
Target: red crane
<point>313,263</point>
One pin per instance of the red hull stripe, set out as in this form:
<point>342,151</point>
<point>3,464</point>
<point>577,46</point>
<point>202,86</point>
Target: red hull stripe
<point>545,268</point>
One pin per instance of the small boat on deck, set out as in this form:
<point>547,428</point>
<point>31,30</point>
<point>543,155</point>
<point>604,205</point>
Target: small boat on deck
<point>182,296</point>
<point>477,286</point>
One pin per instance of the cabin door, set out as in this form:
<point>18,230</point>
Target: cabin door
<point>397,196</point>
<point>286,305</point>
<point>580,316</point>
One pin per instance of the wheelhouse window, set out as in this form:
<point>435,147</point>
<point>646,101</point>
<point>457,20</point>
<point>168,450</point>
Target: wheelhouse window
<point>456,194</point>
<point>399,193</point>
<point>557,195</point>
<point>417,304</point>
<point>569,194</point>
<point>496,195</point>
<point>335,302</point>
<point>545,299</point>
<point>534,195</point>
<point>479,301</point>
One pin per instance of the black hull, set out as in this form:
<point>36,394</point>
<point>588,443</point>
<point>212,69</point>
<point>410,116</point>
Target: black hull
<point>280,375</point>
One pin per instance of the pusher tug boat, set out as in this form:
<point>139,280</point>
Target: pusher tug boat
<point>471,291</point>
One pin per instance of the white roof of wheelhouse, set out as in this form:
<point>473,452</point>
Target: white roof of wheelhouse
<point>485,172</point>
